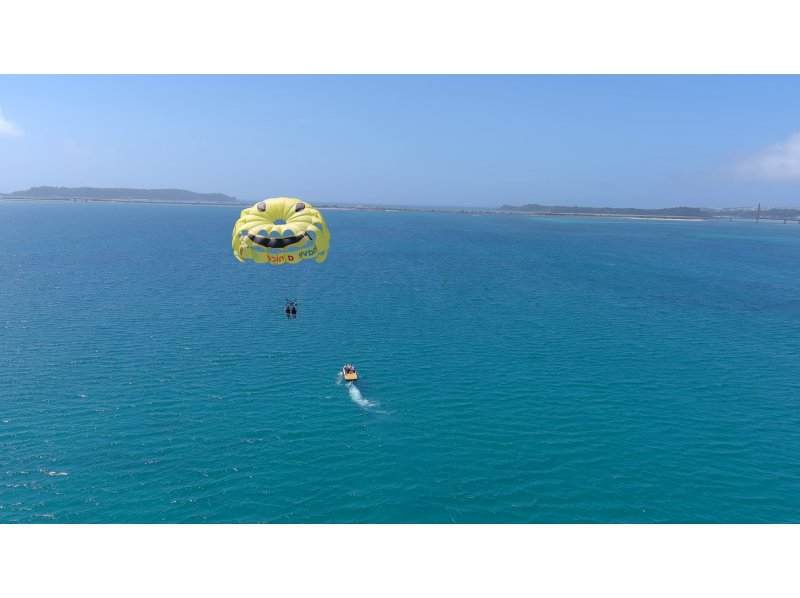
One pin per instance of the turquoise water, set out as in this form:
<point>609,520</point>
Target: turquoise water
<point>513,370</point>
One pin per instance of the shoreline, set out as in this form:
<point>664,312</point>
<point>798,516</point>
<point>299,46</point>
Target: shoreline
<point>365,208</point>
<point>479,212</point>
<point>120,201</point>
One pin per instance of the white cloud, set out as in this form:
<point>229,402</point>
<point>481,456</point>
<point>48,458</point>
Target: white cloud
<point>779,162</point>
<point>8,127</point>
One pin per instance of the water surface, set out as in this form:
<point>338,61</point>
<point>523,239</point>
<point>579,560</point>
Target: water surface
<point>513,369</point>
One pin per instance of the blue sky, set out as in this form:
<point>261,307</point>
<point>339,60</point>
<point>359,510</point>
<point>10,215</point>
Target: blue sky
<point>644,141</point>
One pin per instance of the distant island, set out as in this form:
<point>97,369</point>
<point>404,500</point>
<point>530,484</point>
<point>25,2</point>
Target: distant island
<point>680,213</point>
<point>182,196</point>
<point>121,195</point>
<point>672,213</point>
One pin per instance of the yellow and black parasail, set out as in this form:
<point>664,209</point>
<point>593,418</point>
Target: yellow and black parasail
<point>281,231</point>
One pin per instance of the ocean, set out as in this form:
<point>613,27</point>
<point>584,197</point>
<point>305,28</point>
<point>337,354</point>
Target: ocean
<point>513,370</point>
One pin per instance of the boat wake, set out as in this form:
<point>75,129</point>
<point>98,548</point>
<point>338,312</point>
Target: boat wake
<point>355,393</point>
<point>358,398</point>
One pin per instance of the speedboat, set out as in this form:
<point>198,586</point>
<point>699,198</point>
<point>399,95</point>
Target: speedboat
<point>349,372</point>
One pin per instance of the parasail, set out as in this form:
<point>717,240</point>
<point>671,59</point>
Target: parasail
<point>281,231</point>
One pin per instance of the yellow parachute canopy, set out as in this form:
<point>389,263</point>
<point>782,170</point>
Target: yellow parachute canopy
<point>281,231</point>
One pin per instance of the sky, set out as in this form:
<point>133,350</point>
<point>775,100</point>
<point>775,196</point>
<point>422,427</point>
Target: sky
<point>430,140</point>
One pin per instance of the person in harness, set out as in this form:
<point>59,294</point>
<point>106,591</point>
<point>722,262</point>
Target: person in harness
<point>291,309</point>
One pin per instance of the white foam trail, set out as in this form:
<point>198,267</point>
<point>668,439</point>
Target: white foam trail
<point>358,398</point>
